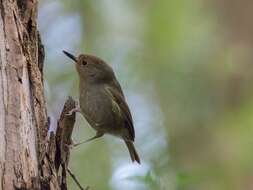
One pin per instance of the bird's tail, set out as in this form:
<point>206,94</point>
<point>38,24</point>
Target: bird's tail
<point>133,153</point>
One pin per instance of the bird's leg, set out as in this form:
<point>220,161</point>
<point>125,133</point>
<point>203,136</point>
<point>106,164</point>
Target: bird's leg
<point>74,110</point>
<point>98,134</point>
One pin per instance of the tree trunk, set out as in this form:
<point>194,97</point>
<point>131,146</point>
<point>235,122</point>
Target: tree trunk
<point>28,159</point>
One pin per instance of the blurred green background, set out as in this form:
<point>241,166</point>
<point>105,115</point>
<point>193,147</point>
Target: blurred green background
<point>186,68</point>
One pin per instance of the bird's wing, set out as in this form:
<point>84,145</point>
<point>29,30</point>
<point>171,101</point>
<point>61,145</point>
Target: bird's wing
<point>118,97</point>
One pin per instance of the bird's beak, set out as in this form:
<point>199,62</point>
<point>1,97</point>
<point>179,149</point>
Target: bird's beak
<point>70,56</point>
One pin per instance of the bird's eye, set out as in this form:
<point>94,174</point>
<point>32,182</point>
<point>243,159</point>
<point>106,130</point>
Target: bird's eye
<point>84,62</point>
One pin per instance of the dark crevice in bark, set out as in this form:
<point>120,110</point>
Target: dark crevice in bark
<point>30,26</point>
<point>20,80</point>
<point>41,54</point>
<point>21,5</point>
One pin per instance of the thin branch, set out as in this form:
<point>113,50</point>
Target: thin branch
<point>75,179</point>
<point>63,134</point>
<point>64,142</point>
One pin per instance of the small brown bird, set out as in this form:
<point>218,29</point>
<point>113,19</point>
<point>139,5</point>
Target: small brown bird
<point>102,101</point>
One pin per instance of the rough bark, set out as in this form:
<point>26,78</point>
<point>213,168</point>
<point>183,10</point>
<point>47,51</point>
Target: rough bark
<point>28,159</point>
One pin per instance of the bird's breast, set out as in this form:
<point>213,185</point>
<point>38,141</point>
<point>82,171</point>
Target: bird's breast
<point>96,106</point>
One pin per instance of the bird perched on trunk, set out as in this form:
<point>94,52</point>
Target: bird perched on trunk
<point>102,101</point>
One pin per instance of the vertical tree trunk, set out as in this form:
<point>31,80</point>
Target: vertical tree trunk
<point>23,118</point>
<point>28,159</point>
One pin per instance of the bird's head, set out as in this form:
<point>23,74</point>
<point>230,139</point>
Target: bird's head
<point>92,69</point>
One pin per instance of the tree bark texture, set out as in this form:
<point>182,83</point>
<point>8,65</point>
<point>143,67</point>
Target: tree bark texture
<point>28,159</point>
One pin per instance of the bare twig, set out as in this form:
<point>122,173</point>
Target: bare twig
<point>75,179</point>
<point>64,142</point>
<point>64,132</point>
